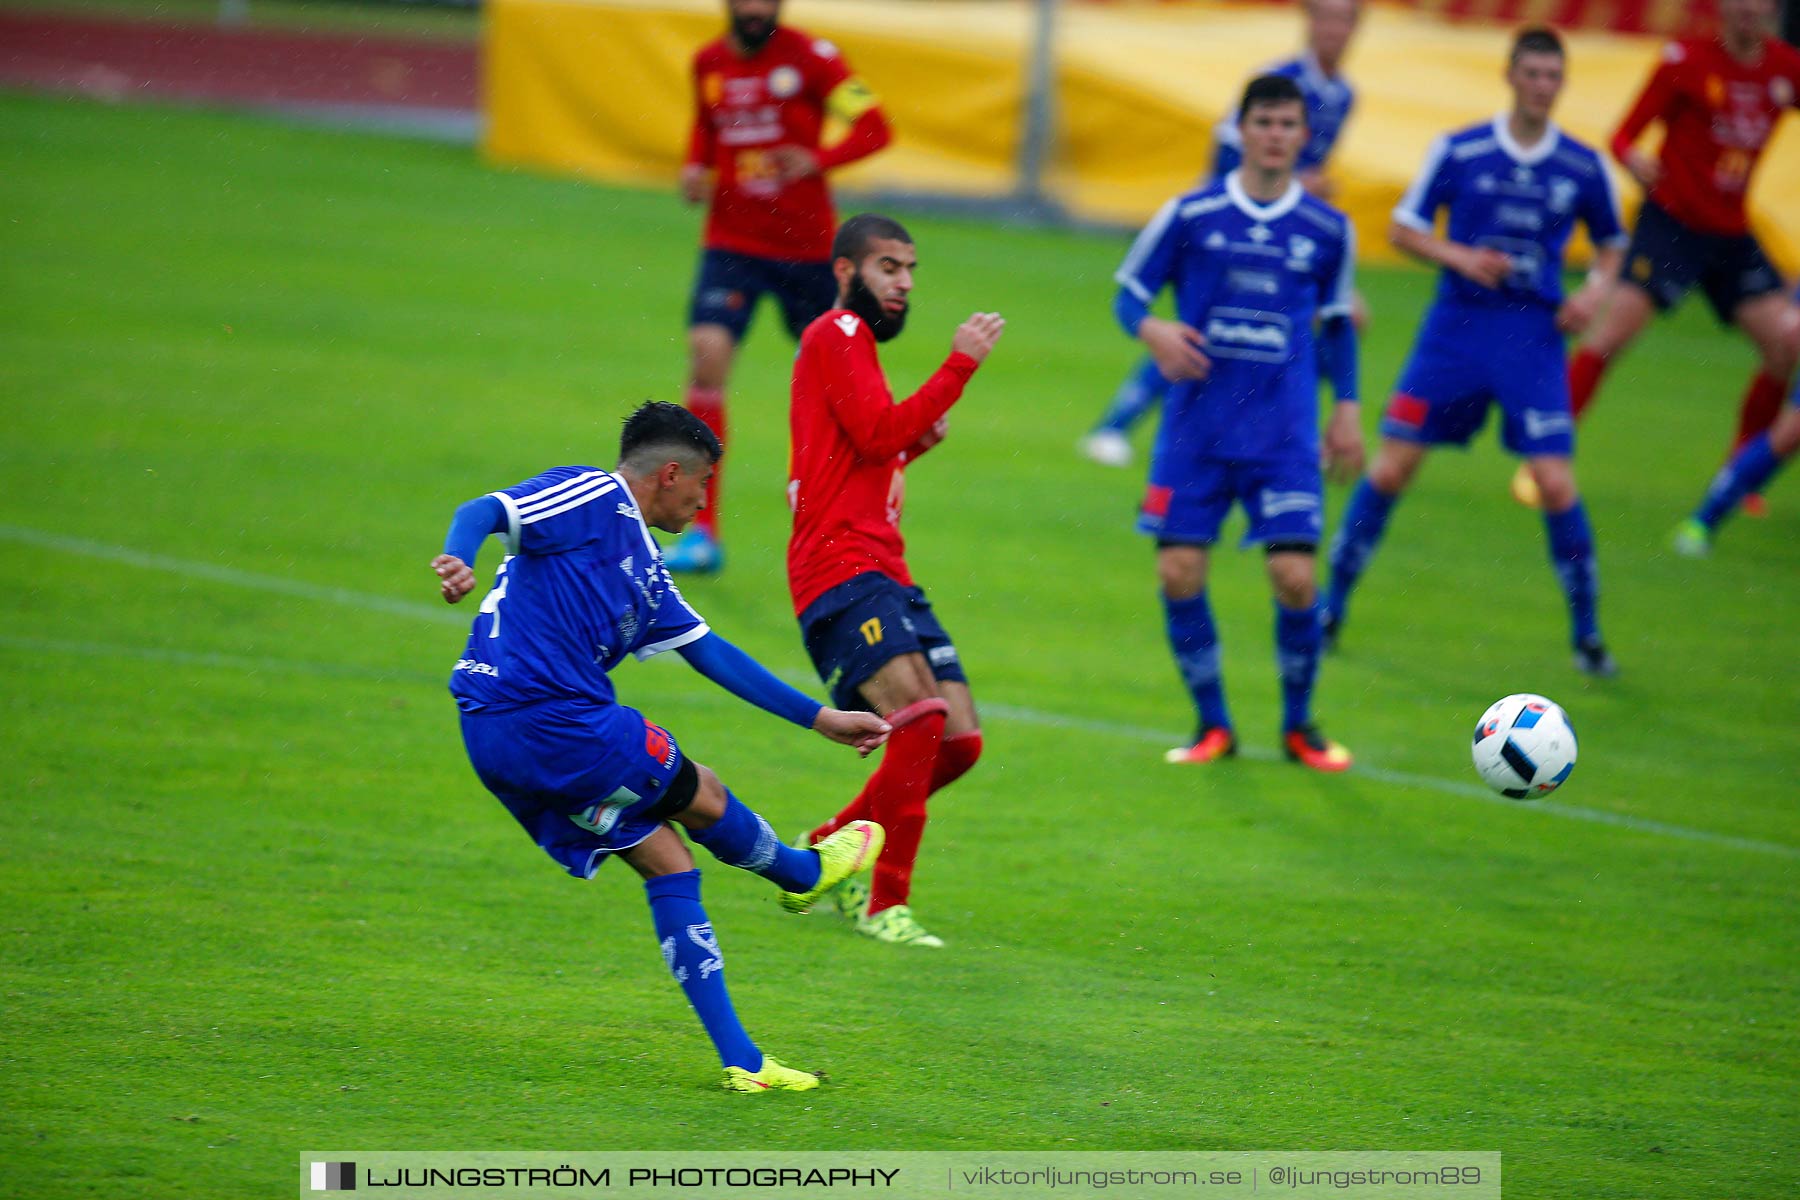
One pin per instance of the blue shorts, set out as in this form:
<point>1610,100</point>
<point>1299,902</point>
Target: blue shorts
<point>729,285</point>
<point>1283,500</point>
<point>861,625</point>
<point>585,780</point>
<point>1467,358</point>
<point>1667,259</point>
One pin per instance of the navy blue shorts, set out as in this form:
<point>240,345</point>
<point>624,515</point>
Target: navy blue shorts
<point>729,285</point>
<point>583,779</point>
<point>1468,359</point>
<point>861,625</point>
<point>1667,259</point>
<point>1284,502</point>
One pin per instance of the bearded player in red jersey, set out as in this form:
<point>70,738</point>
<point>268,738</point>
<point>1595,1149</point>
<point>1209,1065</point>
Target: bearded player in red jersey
<point>871,632</point>
<point>1719,100</point>
<point>762,93</point>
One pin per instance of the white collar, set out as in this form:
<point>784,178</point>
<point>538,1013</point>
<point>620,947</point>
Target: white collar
<point>1283,205</point>
<point>1537,153</point>
<point>1314,71</point>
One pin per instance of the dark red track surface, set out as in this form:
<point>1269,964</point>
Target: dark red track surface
<point>123,59</point>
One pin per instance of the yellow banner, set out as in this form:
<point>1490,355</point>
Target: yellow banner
<point>601,88</point>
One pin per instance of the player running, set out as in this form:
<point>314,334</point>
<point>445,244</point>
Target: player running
<point>1254,261</point>
<point>762,93</point>
<point>1514,188</point>
<point>1719,100</point>
<point>870,631</point>
<point>1751,467</point>
<point>1318,72</point>
<point>583,585</point>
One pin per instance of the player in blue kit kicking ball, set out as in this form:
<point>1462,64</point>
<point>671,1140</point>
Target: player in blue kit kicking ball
<point>1514,187</point>
<point>1254,262</point>
<point>582,586</point>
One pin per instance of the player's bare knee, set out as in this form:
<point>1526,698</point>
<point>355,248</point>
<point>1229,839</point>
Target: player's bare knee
<point>1556,483</point>
<point>695,799</point>
<point>1181,570</point>
<point>1395,465</point>
<point>710,350</point>
<point>1294,576</point>
<point>1784,437</point>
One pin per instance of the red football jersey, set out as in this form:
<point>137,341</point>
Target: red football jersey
<point>778,96</point>
<point>851,444</point>
<point>1717,115</point>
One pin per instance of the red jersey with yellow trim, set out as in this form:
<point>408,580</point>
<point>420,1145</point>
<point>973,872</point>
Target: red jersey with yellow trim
<point>851,445</point>
<point>779,96</point>
<point>1717,113</point>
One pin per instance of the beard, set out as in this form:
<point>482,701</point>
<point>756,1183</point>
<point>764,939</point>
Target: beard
<point>752,33</point>
<point>884,325</point>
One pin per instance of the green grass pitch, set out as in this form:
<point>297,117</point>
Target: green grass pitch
<point>254,900</point>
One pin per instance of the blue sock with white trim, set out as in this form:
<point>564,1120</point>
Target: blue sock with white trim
<point>1747,472</point>
<point>1297,640</point>
<point>1365,520</point>
<point>1572,556</point>
<point>741,838</point>
<point>691,951</point>
<point>1195,641</point>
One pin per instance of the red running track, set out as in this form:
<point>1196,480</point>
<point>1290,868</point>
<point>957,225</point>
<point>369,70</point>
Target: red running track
<point>124,59</point>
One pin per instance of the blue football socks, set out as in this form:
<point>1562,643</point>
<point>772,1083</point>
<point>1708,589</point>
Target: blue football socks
<point>741,838</point>
<point>1365,520</point>
<point>1747,472</point>
<point>1195,641</point>
<point>1572,555</point>
<point>1297,639</point>
<point>692,953</point>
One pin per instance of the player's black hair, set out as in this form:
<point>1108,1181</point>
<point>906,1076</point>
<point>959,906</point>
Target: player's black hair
<point>1538,39</point>
<point>1270,89</point>
<point>853,236</point>
<point>659,428</point>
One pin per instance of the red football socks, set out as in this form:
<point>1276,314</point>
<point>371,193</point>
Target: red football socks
<point>1585,370</point>
<point>955,756</point>
<point>897,793</point>
<point>709,405</point>
<point>1760,407</point>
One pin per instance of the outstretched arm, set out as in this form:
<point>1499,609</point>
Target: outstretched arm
<point>473,522</point>
<point>749,680</point>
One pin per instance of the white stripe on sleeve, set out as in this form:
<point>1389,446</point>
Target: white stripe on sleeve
<point>1407,211</point>
<point>1127,274</point>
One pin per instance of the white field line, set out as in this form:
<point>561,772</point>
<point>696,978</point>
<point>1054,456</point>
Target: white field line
<point>439,614</point>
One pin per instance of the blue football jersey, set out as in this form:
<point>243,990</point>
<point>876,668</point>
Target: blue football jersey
<point>582,586</point>
<point>1329,99</point>
<point>1252,278</point>
<point>1521,202</point>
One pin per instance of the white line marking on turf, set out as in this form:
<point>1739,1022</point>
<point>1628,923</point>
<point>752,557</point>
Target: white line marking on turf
<point>230,576</point>
<point>233,577</point>
<point>1471,791</point>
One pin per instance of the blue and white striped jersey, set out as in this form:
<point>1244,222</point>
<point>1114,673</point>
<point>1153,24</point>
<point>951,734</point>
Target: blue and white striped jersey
<point>1329,99</point>
<point>582,586</point>
<point>1252,278</point>
<point>1523,202</point>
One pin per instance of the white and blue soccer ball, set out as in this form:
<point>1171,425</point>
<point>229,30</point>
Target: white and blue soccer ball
<point>1524,746</point>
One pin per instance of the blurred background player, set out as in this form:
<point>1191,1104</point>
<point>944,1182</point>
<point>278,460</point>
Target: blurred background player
<point>1317,71</point>
<point>588,777</point>
<point>1253,261</point>
<point>1752,466</point>
<point>1719,100</point>
<point>1514,187</point>
<point>870,631</point>
<point>762,94</point>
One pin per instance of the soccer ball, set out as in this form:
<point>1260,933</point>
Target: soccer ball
<point>1524,746</point>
